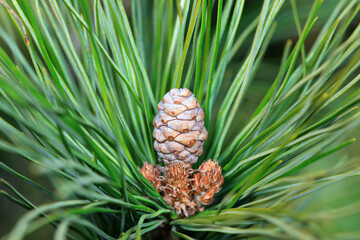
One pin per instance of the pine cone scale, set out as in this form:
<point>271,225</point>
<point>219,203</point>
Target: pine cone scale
<point>189,115</point>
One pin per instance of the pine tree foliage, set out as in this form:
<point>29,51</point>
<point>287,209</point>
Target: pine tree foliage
<point>79,93</point>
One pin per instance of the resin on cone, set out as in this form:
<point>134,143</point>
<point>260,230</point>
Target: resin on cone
<point>179,129</point>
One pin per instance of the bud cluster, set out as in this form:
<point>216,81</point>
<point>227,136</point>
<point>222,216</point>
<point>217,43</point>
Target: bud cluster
<point>186,190</point>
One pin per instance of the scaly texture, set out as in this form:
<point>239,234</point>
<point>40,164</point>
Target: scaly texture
<point>179,134</point>
<point>152,175</point>
<point>208,181</point>
<point>177,188</point>
<point>184,189</point>
<point>179,127</point>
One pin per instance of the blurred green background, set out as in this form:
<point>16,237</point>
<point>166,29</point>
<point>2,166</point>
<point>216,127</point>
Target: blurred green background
<point>337,195</point>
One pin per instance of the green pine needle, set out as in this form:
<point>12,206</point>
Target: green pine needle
<point>79,84</point>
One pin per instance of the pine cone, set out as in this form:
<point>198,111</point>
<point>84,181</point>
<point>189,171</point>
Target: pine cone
<point>152,175</point>
<point>177,190</point>
<point>179,127</point>
<point>208,181</point>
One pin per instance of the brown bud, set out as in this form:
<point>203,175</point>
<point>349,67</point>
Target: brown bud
<point>152,175</point>
<point>208,181</point>
<point>177,189</point>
